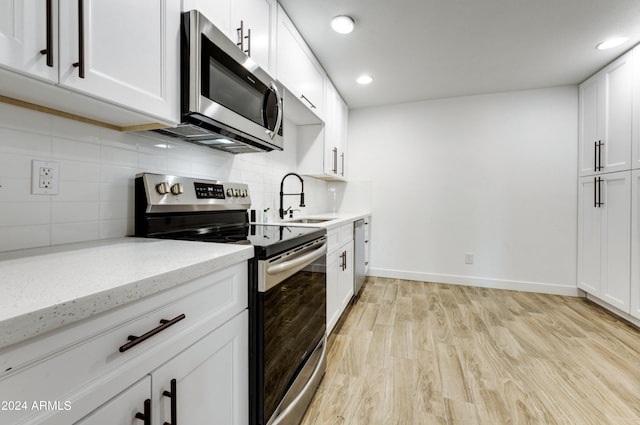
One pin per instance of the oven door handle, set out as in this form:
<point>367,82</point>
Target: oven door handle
<point>304,259</point>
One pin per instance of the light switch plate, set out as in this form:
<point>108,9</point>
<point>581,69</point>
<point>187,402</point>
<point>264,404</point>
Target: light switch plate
<point>45,177</point>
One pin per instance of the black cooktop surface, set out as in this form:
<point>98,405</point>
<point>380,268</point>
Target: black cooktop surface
<point>270,240</point>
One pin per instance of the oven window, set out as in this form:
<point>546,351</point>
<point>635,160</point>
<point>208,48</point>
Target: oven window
<point>229,84</point>
<point>294,323</point>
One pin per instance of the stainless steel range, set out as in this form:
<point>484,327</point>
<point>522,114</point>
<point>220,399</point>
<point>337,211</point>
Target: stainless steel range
<point>287,284</point>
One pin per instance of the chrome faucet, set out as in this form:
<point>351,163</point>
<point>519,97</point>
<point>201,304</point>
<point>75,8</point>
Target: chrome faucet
<point>282,194</point>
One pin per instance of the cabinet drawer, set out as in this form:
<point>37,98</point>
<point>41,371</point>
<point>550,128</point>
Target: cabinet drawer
<point>340,236</point>
<point>62,364</point>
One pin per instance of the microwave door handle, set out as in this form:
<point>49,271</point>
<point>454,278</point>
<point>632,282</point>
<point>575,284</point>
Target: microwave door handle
<point>272,134</point>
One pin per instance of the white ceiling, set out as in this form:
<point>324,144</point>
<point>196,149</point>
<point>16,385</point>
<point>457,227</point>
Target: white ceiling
<point>429,49</point>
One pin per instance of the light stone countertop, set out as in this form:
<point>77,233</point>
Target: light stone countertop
<point>45,288</point>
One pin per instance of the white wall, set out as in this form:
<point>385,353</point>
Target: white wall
<point>97,168</point>
<point>493,175</point>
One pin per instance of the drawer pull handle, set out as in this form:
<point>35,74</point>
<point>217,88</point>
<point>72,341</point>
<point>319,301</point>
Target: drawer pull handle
<point>164,324</point>
<point>146,416</point>
<point>173,395</point>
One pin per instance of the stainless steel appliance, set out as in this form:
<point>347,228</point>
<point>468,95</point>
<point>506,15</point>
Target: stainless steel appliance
<point>227,101</point>
<point>359,257</point>
<point>287,279</point>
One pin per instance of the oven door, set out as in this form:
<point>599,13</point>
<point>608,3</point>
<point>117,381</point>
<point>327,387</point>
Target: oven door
<point>227,87</point>
<point>292,298</point>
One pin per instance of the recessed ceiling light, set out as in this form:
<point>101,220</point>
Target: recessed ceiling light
<point>611,43</point>
<point>364,79</point>
<point>342,24</point>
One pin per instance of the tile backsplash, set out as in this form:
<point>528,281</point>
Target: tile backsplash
<point>97,170</point>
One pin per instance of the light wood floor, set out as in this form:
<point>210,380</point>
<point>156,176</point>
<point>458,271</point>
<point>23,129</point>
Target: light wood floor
<point>423,353</point>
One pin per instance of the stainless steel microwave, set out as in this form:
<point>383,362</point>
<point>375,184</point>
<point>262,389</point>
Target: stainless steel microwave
<point>227,101</point>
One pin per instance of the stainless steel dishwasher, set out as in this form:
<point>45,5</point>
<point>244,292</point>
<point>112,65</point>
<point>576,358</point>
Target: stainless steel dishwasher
<point>359,260</point>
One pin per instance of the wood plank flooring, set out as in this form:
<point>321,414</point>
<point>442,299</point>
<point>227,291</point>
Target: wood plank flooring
<point>422,353</point>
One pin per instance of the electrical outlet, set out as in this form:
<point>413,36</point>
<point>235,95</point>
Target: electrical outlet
<point>45,176</point>
<point>468,257</point>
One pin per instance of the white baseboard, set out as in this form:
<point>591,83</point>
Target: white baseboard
<point>626,316</point>
<point>482,282</point>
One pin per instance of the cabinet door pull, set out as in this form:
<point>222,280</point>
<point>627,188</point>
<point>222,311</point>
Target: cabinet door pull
<point>335,161</point>
<point>248,38</point>
<point>49,49</point>
<point>595,156</point>
<point>135,340</point>
<point>80,63</point>
<point>240,32</point>
<point>600,166</point>
<point>173,395</point>
<point>308,101</point>
<point>146,416</point>
<point>595,192</point>
<point>600,203</point>
<point>343,266</point>
<point>342,158</point>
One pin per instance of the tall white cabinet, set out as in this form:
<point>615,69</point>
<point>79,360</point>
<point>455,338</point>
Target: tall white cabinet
<point>608,208</point>
<point>606,116</point>
<point>604,224</point>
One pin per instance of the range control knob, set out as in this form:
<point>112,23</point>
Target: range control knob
<point>230,193</point>
<point>177,189</point>
<point>243,193</point>
<point>236,192</point>
<point>162,188</point>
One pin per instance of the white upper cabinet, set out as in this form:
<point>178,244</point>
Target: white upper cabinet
<point>123,55</point>
<point>322,150</point>
<point>248,23</point>
<point>122,51</point>
<point>26,31</point>
<point>606,118</point>
<point>218,12</point>
<point>258,19</point>
<point>298,68</point>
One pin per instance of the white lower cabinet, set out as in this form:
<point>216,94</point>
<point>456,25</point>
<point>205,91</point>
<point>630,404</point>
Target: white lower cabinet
<point>635,244</point>
<point>339,273</point>
<point>604,233</point>
<point>123,407</point>
<point>211,380</point>
<point>207,380</point>
<point>94,377</point>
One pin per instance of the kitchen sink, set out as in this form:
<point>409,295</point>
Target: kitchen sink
<point>309,220</point>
